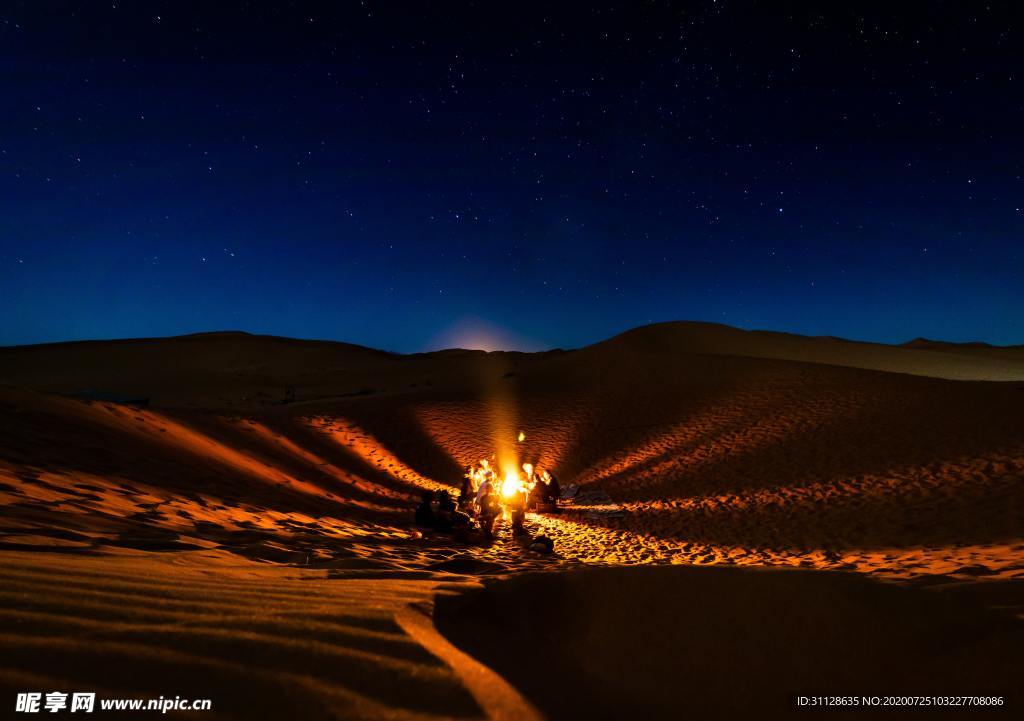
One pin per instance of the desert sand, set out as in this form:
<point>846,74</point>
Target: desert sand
<point>860,508</point>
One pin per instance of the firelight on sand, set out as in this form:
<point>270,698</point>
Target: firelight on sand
<point>803,462</point>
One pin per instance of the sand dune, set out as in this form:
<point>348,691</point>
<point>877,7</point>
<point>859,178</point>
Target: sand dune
<point>216,369</point>
<point>954,361</point>
<point>219,531</point>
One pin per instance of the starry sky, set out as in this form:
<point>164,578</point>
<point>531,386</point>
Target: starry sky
<point>416,175</point>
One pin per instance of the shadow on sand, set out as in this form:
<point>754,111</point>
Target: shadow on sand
<point>684,642</point>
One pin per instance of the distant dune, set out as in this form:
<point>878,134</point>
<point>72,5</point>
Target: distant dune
<point>238,507</point>
<point>206,366</point>
<point>969,361</point>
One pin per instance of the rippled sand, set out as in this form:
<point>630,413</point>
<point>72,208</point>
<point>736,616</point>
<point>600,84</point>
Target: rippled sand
<point>219,539</point>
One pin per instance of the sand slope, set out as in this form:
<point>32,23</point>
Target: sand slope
<point>261,641</point>
<point>217,514</point>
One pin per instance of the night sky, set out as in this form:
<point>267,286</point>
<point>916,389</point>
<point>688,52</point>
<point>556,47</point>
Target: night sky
<point>414,176</point>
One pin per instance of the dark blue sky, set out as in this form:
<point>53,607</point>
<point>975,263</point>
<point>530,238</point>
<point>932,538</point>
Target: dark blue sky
<point>394,174</point>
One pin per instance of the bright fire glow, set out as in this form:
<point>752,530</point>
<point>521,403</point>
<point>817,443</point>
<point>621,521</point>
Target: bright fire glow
<point>512,483</point>
<point>509,480</point>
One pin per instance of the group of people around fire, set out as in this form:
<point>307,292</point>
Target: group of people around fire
<point>483,497</point>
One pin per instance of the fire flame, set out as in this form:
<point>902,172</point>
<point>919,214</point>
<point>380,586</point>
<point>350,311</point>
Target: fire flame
<point>512,483</point>
<point>509,481</point>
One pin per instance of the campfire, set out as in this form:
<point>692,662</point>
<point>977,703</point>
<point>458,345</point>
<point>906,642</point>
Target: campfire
<point>493,488</point>
<point>509,477</point>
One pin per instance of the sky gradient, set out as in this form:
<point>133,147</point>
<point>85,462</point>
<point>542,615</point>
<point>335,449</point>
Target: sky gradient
<point>409,176</point>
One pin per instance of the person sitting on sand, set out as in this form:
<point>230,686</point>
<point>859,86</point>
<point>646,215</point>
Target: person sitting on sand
<point>425,517</point>
<point>552,492</point>
<point>489,506</point>
<point>485,487</point>
<point>554,489</point>
<point>466,493</point>
<point>538,494</point>
<point>517,509</point>
<point>451,519</point>
<point>444,512</point>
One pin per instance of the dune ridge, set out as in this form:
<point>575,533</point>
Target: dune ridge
<point>226,527</point>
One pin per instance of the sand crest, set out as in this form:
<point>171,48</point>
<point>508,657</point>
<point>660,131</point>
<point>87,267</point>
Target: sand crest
<point>249,524</point>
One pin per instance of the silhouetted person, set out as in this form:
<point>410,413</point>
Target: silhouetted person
<point>445,507</point>
<point>554,488</point>
<point>466,494</point>
<point>517,510</point>
<point>538,494</point>
<point>450,519</point>
<point>445,502</point>
<point>489,507</point>
<point>425,517</point>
